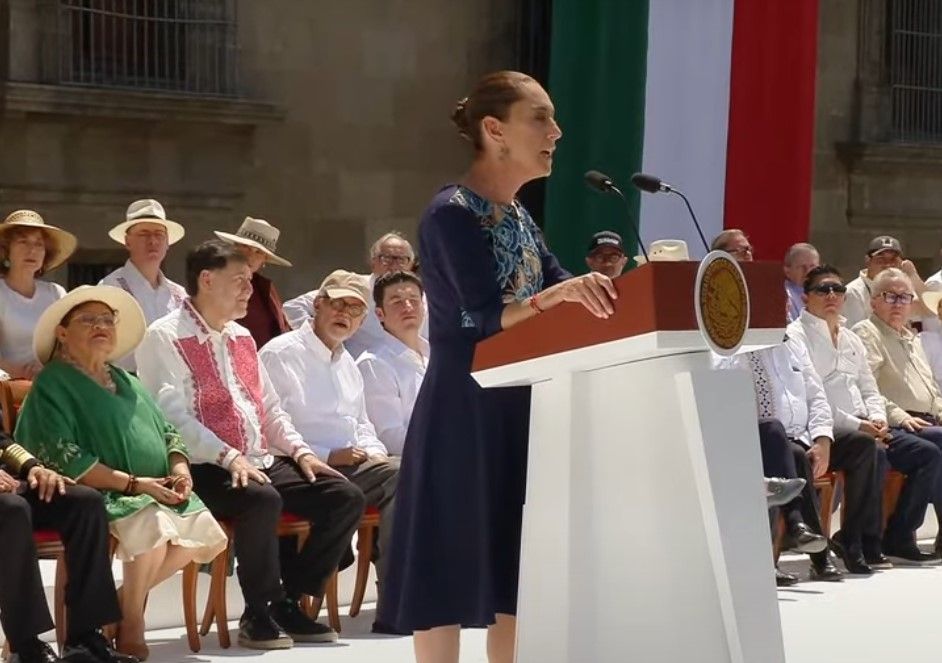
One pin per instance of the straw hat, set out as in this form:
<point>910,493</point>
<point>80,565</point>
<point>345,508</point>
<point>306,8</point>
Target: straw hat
<point>147,211</point>
<point>931,299</point>
<point>259,234</point>
<point>128,333</point>
<point>665,250</point>
<point>64,243</point>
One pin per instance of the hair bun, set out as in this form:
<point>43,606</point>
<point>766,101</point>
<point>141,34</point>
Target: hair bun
<point>459,116</point>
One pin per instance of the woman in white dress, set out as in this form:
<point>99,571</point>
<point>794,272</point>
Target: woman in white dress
<point>28,249</point>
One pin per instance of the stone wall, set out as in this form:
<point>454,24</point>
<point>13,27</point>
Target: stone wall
<point>342,132</point>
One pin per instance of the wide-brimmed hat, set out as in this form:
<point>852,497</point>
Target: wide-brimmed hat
<point>341,283</point>
<point>147,211</point>
<point>665,250</point>
<point>931,299</point>
<point>259,234</point>
<point>128,333</point>
<point>63,242</point>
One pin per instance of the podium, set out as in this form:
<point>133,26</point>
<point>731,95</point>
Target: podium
<point>645,528</point>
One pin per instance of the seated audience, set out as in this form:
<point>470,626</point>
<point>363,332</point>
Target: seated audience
<point>389,253</point>
<point>894,352</point>
<point>28,249</point>
<point>840,359</point>
<point>35,497</point>
<point>393,371</point>
<point>147,234</point>
<point>96,424</point>
<point>800,259</point>
<point>249,462</point>
<point>257,240</point>
<point>322,392</point>
<point>606,254</point>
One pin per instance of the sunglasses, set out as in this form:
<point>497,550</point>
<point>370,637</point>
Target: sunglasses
<point>826,289</point>
<point>901,298</point>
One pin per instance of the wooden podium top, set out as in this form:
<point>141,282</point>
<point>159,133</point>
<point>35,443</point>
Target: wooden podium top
<point>657,296</point>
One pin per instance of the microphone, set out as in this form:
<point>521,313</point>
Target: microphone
<point>603,183</point>
<point>652,184</point>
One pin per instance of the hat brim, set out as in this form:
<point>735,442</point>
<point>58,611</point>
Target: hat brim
<point>931,299</point>
<point>65,242</point>
<point>337,293</point>
<point>128,333</point>
<point>175,231</point>
<point>271,257</point>
<point>661,257</point>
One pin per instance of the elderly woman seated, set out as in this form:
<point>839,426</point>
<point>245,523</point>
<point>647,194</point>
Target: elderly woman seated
<point>95,423</point>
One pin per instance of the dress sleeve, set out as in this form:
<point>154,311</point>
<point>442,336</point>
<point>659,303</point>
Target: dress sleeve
<point>46,429</point>
<point>553,272</point>
<point>454,247</point>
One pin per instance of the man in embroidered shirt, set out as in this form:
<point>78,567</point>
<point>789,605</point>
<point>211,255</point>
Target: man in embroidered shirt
<point>840,359</point>
<point>800,259</point>
<point>389,253</point>
<point>901,369</point>
<point>322,391</point>
<point>393,372</point>
<point>248,459</point>
<point>147,234</point>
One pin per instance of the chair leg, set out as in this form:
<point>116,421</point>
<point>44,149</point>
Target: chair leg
<point>218,598</point>
<point>62,579</point>
<point>364,557</point>
<point>827,500</point>
<point>330,597</point>
<point>190,573</point>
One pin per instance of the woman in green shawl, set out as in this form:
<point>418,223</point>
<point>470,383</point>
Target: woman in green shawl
<point>95,423</point>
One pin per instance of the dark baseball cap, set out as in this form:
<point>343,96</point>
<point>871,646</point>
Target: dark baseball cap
<point>884,243</point>
<point>606,238</point>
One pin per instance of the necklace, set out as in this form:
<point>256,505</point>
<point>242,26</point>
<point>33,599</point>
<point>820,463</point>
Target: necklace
<point>103,379</point>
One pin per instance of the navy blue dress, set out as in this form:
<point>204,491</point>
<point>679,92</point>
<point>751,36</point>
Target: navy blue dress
<point>455,551</point>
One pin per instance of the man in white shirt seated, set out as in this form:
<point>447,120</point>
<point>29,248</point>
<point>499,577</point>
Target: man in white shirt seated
<point>147,234</point>
<point>394,370</point>
<point>389,253</point>
<point>800,259</point>
<point>322,391</point>
<point>789,391</point>
<point>248,460</point>
<point>858,408</point>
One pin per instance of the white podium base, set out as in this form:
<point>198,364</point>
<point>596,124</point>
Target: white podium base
<point>646,535</point>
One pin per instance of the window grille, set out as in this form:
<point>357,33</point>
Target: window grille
<point>915,69</point>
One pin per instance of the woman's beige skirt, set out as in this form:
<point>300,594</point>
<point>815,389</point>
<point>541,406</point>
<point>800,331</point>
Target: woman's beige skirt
<point>153,526</point>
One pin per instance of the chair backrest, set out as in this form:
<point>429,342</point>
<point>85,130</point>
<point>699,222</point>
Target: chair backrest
<point>12,394</point>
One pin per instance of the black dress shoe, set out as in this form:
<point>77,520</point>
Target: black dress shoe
<point>783,579</point>
<point>289,616</point>
<point>806,540</point>
<point>823,569</point>
<point>877,560</point>
<point>93,646</point>
<point>854,561</point>
<point>34,651</point>
<point>257,630</point>
<point>908,554</point>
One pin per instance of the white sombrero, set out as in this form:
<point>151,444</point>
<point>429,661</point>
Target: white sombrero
<point>665,250</point>
<point>65,242</point>
<point>147,211</point>
<point>931,299</point>
<point>259,234</point>
<point>128,333</point>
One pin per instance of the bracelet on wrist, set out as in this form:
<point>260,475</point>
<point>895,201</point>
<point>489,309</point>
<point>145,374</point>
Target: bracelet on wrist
<point>131,488</point>
<point>535,304</point>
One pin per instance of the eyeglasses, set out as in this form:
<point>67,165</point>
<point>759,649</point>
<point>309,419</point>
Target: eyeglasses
<point>898,298</point>
<point>607,256</point>
<point>828,288</point>
<point>740,251</point>
<point>388,259</point>
<point>339,305</point>
<point>105,320</point>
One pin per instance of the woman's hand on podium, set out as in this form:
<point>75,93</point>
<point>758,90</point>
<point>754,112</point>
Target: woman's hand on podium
<point>593,290</point>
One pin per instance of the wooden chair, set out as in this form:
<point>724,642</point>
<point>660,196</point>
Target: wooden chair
<point>825,486</point>
<point>891,491</point>
<point>12,394</point>
<point>289,525</point>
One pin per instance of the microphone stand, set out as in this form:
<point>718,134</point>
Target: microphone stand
<point>693,216</point>
<point>634,229</point>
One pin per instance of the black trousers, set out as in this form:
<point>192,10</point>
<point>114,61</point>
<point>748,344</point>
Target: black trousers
<point>79,518</point>
<point>919,460</point>
<point>778,460</point>
<point>267,572</point>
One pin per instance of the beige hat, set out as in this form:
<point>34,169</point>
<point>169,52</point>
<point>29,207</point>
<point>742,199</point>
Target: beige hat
<point>64,242</point>
<point>665,250</point>
<point>129,332</point>
<point>341,283</point>
<point>258,234</point>
<point>147,211</point>
<point>931,299</point>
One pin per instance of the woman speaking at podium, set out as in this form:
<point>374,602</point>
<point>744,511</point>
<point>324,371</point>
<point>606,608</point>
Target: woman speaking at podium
<point>455,553</point>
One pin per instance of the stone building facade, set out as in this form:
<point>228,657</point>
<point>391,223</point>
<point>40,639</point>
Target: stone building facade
<point>878,143</point>
<point>329,119</point>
